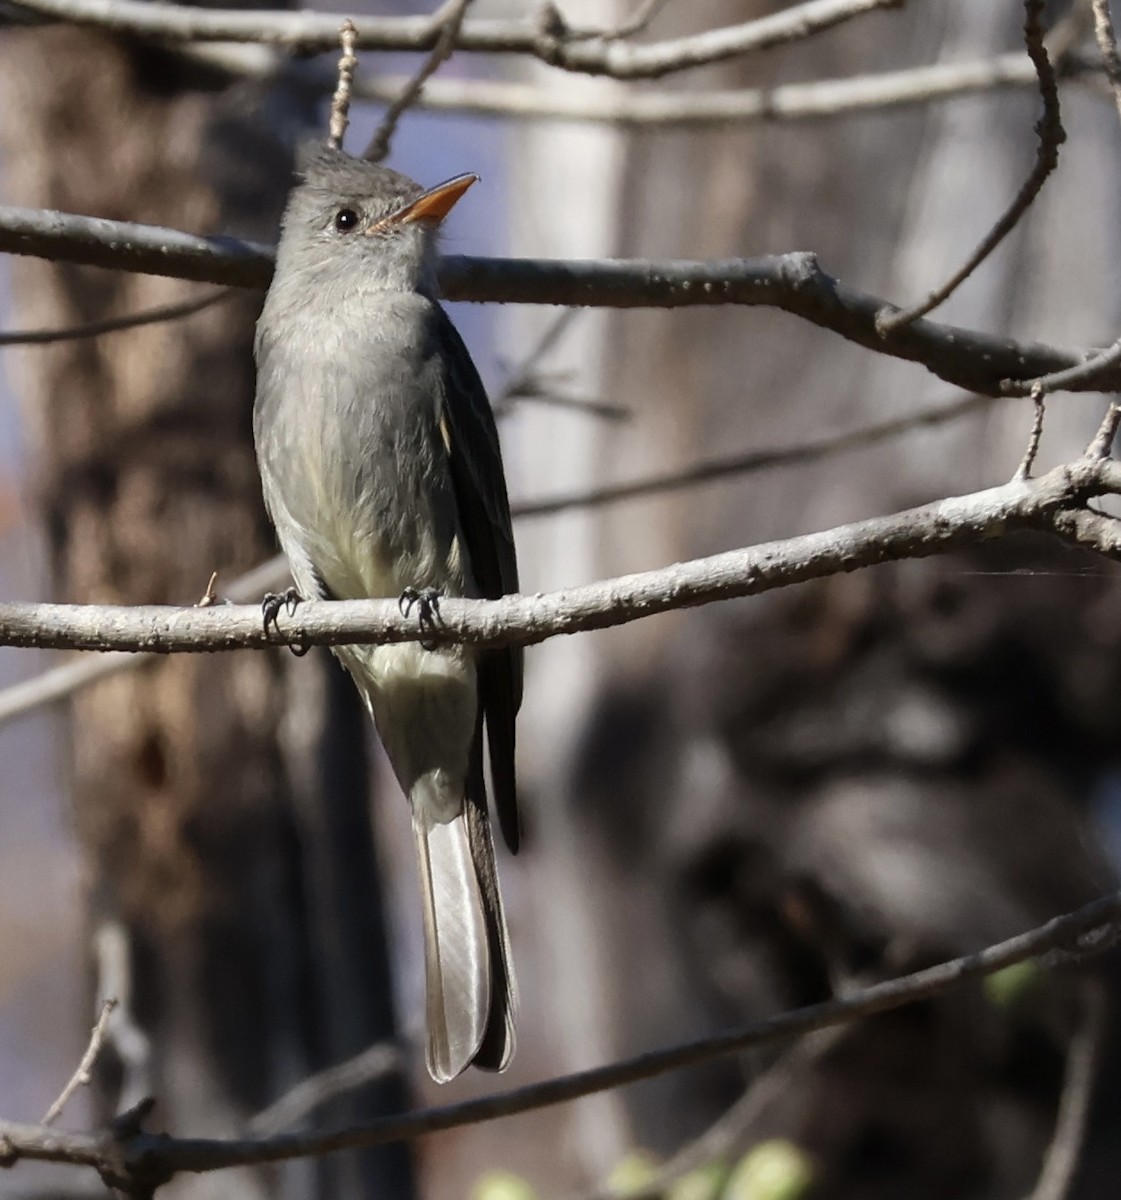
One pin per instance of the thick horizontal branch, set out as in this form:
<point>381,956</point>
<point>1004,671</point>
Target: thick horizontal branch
<point>543,36</point>
<point>138,1162</point>
<point>794,283</point>
<point>1053,503</point>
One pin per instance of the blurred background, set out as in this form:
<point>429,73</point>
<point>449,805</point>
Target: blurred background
<point>728,811</point>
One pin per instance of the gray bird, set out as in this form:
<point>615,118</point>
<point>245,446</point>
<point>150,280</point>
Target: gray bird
<point>382,473</point>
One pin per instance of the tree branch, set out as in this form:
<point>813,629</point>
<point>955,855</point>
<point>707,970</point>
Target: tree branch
<point>544,35</point>
<point>450,15</point>
<point>737,465</point>
<point>794,283</point>
<point>585,101</point>
<point>1053,503</point>
<point>57,683</point>
<point>81,1076</point>
<point>147,316</point>
<point>139,1162</point>
<point>1050,136</point>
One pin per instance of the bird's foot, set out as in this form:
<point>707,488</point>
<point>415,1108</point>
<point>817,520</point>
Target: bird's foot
<point>426,601</point>
<point>271,606</point>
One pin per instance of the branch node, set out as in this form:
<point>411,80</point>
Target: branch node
<point>129,1124</point>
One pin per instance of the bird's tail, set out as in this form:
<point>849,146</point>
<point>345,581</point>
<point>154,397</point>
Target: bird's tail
<point>472,995</point>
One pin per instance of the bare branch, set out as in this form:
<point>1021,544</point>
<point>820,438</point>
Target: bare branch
<point>1102,443</point>
<point>81,1076</point>
<point>147,249</point>
<point>149,316</point>
<point>1050,134</point>
<point>644,13</point>
<point>135,1159</point>
<point>544,35</point>
<point>1097,372</point>
<point>522,378</point>
<point>1054,503</point>
<point>451,16</point>
<point>732,1129</point>
<point>1023,471</point>
<point>113,955</point>
<point>794,283</point>
<point>60,682</point>
<point>372,1064</point>
<point>1061,1160</point>
<point>584,101</point>
<point>736,465</point>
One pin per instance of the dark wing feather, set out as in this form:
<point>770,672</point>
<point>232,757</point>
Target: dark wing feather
<point>484,518</point>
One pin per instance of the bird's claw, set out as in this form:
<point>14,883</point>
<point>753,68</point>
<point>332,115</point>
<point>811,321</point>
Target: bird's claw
<point>426,601</point>
<point>271,606</point>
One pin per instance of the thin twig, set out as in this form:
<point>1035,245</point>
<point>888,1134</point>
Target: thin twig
<point>1061,1159</point>
<point>372,1064</point>
<point>736,465</point>
<point>450,16</point>
<point>340,100</point>
<point>794,283</point>
<point>537,391</point>
<point>1054,503</point>
<point>645,11</point>
<point>148,316</point>
<point>1102,444</point>
<point>1094,373</point>
<point>137,1159</point>
<point>732,1129</point>
<point>1050,136</point>
<point>521,379</point>
<point>309,32</point>
<point>1023,471</point>
<point>81,1076</point>
<point>113,952</point>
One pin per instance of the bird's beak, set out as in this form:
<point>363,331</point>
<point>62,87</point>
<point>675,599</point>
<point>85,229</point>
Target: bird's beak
<point>435,204</point>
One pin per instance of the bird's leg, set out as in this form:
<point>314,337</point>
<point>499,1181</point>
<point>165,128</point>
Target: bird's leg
<point>426,601</point>
<point>272,603</point>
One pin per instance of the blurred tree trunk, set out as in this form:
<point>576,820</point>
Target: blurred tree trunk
<point>221,800</point>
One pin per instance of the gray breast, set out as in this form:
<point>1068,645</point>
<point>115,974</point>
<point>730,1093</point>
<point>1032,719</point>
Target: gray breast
<point>348,434</point>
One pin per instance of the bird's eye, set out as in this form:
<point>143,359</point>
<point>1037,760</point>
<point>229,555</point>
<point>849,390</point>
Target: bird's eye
<point>345,220</point>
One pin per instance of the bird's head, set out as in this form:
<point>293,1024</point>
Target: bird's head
<point>353,223</point>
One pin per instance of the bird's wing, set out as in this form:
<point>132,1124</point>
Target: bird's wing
<point>484,518</point>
